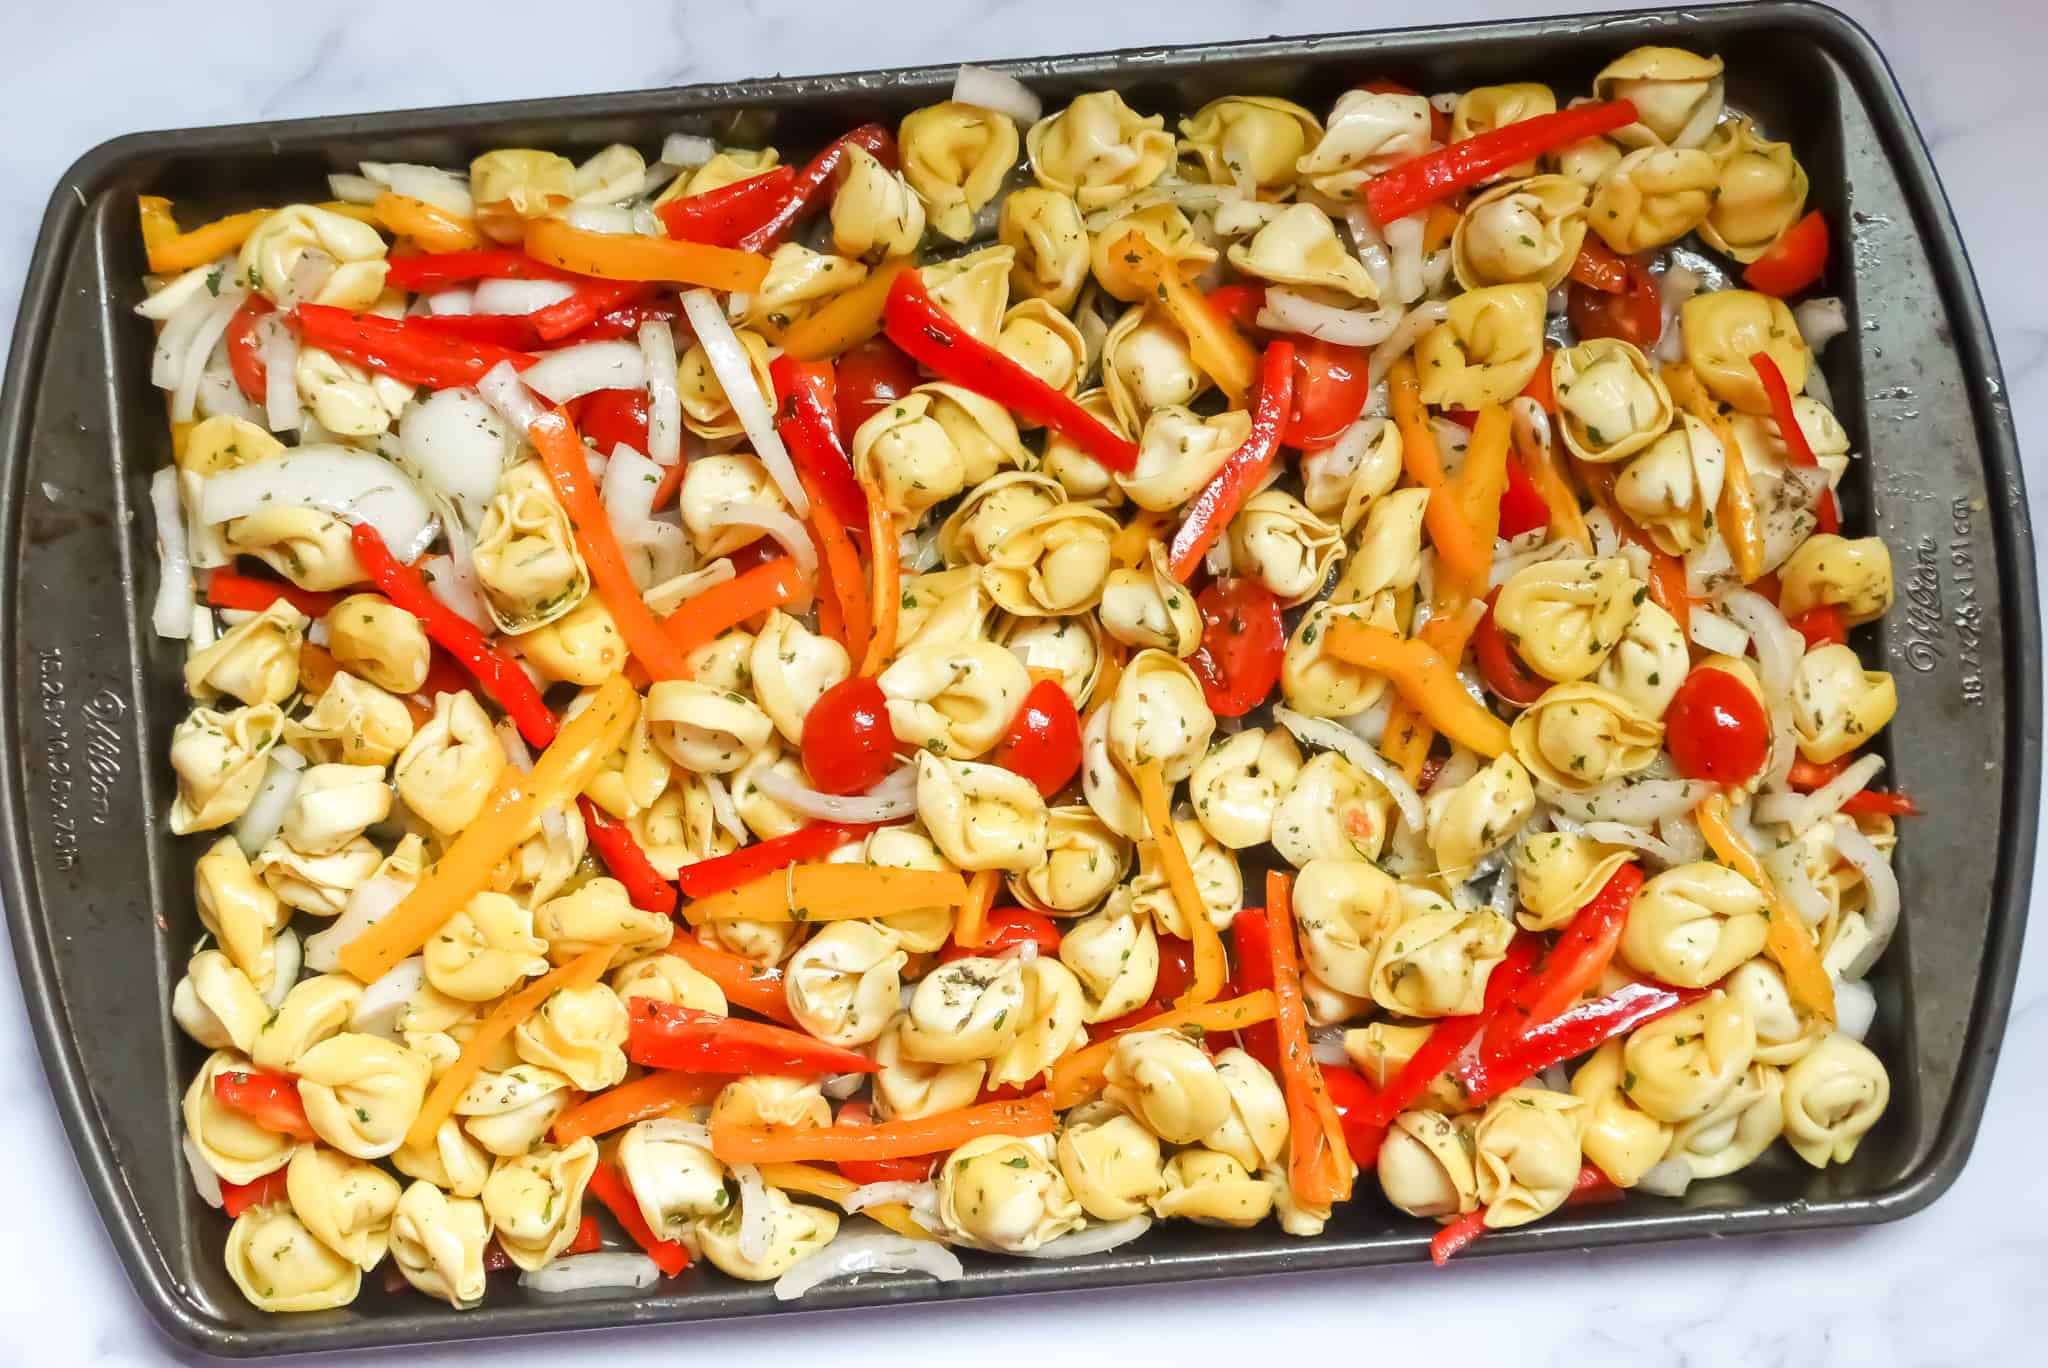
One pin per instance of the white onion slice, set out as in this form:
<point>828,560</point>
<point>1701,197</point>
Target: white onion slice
<point>350,188</point>
<point>724,810</point>
<point>1372,250</point>
<point>831,807</point>
<point>1882,911</point>
<point>502,388</point>
<point>205,1181</point>
<point>1404,251</point>
<point>1194,197</point>
<point>365,907</point>
<point>875,1194</point>
<point>1094,1239</point>
<point>458,446</point>
<point>786,530</point>
<point>1712,632</point>
<point>264,817</point>
<point>174,339</point>
<point>457,300</point>
<point>1506,887</point>
<point>428,184</point>
<point>1674,286</point>
<point>517,296</point>
<point>287,954</point>
<point>219,395</point>
<point>736,377</point>
<point>280,348</point>
<point>1778,647</point>
<point>1666,1178</point>
<point>839,1087</point>
<point>213,324</point>
<point>993,90</point>
<point>627,490</point>
<point>664,401</point>
<point>613,220</point>
<point>452,579</point>
<point>1326,1045</point>
<point>687,150</point>
<point>853,1252</point>
<point>576,371</point>
<point>1638,802</point>
<point>309,276</point>
<point>347,482</point>
<point>378,1011</point>
<point>1636,837</point>
<point>1820,321</point>
<point>180,290</point>
<point>172,615</point>
<point>1291,311</point>
<point>1855,1008</point>
<point>1321,731</point>
<point>1413,325</point>
<point>599,1270</point>
<point>1799,811</point>
<point>757,1224</point>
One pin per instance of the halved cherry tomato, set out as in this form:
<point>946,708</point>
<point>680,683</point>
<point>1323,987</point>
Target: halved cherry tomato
<point>1600,267</point>
<point>1716,729</point>
<point>1499,665</point>
<point>1009,927</point>
<point>1794,261</point>
<point>1238,303</point>
<point>1521,508</point>
<point>914,1169</point>
<point>1330,388</point>
<point>1238,661</point>
<point>870,376</point>
<point>269,1100</point>
<point>236,1198</point>
<point>245,353</point>
<point>1821,625</point>
<point>1354,1098</point>
<point>1806,775</point>
<point>614,417</point>
<point>1044,740</point>
<point>1635,314</point>
<point>848,745</point>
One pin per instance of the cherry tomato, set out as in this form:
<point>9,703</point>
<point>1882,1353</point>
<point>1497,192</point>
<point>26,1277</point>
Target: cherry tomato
<point>1506,676</point>
<point>1007,928</point>
<point>1821,625</point>
<point>270,1100</point>
<point>869,376</point>
<point>1044,740</point>
<point>1716,729</point>
<point>1330,387</point>
<point>236,1198</point>
<point>1635,315</point>
<point>1354,1097</point>
<point>1794,261</point>
<point>914,1169</point>
<point>1521,508</point>
<point>1600,266</point>
<point>755,553</point>
<point>1176,970</point>
<point>614,417</point>
<point>1238,303</point>
<point>1873,803</point>
<point>245,352</point>
<point>848,745</point>
<point>1238,661</point>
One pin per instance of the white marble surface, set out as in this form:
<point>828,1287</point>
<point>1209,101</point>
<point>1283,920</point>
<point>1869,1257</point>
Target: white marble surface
<point>1959,1282</point>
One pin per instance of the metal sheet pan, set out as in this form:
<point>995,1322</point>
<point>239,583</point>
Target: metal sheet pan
<point>100,901</point>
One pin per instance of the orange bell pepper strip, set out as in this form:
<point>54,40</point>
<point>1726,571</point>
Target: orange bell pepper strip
<point>845,585</point>
<point>654,1094</point>
<point>970,927</point>
<point>831,892</point>
<point>705,615</point>
<point>1409,734</point>
<point>561,451</point>
<point>1741,525</point>
<point>627,256</point>
<point>1437,228</point>
<point>756,987</point>
<point>1480,484</point>
<point>1213,343</point>
<point>906,1138</point>
<point>1540,464</point>
<point>1457,543</point>
<point>586,969</point>
<point>1211,968</point>
<point>1319,1166</point>
<point>177,252</point>
<point>1426,679</point>
<point>847,319</point>
<point>837,1187</point>
<point>432,227</point>
<point>1079,1075</point>
<point>887,598</point>
<point>158,224</point>
<point>1788,942</point>
<point>563,770</point>
<point>1132,542</point>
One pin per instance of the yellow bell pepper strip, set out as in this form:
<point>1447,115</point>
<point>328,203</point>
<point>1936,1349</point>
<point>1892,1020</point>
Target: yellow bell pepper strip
<point>886,602</point>
<point>837,1187</point>
<point>1426,679</point>
<point>1214,344</point>
<point>586,969</point>
<point>1433,176</point>
<point>1457,545</point>
<point>831,892</point>
<point>1211,968</point>
<point>563,770</point>
<point>561,451</point>
<point>1209,512</point>
<point>158,224</point>
<point>970,927</point>
<point>1079,1075</point>
<point>1319,1166</point>
<point>1111,670</point>
<point>203,244</point>
<point>627,256</point>
<point>1741,526</point>
<point>1540,464</point>
<point>1438,227</point>
<point>900,1139</point>
<point>710,612</point>
<point>848,318</point>
<point>1788,943</point>
<point>1479,487</point>
<point>429,225</point>
<point>1409,733</point>
<point>654,1094</point>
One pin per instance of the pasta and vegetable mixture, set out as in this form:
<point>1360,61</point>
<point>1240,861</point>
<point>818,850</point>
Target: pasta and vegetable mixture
<point>1033,672</point>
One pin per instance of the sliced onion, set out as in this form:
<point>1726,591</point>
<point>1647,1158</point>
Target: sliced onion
<point>1712,632</point>
<point>459,300</point>
<point>724,810</point>
<point>1369,726</point>
<point>666,1128</point>
<point>309,276</point>
<point>220,395</point>
<point>1820,321</point>
<point>831,807</point>
<point>174,339</point>
<point>1505,890</point>
<point>736,377</point>
<point>839,1087</point>
<point>517,296</point>
<point>502,388</point>
<point>452,579</point>
<point>345,481</point>
<point>1414,324</point>
<point>280,348</point>
<point>1321,731</point>
<point>576,371</point>
<point>1778,647</point>
<point>1326,1045</point>
<point>458,446</point>
<point>287,953</point>
<point>687,150</point>
<point>428,184</point>
<point>1800,811</point>
<point>1674,286</point>
<point>1094,1239</point>
<point>378,1011</point>
<point>350,188</point>
<point>1855,1008</point>
<point>1882,911</point>
<point>172,615</point>
<point>664,401</point>
<point>554,825</point>
<point>599,1270</point>
<point>1666,1178</point>
<point>264,817</point>
<point>1372,250</point>
<point>786,530</point>
<point>212,325</point>
<point>974,85</point>
<point>205,1181</point>
<point>517,753</point>
<point>613,220</point>
<point>925,1194</point>
<point>1195,197</point>
<point>1291,311</point>
<point>664,598</point>
<point>853,1252</point>
<point>627,489</point>
<point>1404,250</point>
<point>365,907</point>
<point>757,1223</point>
<point>1637,802</point>
<point>180,290</point>
<point>1636,837</point>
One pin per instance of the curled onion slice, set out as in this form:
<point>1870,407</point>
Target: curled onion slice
<point>576,371</point>
<point>892,805</point>
<point>1321,731</point>
<point>602,1269</point>
<point>1291,311</point>
<point>1095,1239</point>
<point>172,614</point>
<point>856,1251</point>
<point>349,483</point>
<point>736,377</point>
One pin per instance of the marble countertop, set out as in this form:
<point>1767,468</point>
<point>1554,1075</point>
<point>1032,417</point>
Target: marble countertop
<point>1949,1285</point>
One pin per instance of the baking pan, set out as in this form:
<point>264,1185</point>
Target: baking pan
<point>100,894</point>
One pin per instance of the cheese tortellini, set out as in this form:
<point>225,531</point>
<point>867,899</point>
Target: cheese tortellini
<point>1005,1194</point>
<point>1525,230</point>
<point>1486,351</point>
<point>1693,924</point>
<point>1581,736</point>
<point>955,157</point>
<point>1837,705</point>
<point>1564,616</point>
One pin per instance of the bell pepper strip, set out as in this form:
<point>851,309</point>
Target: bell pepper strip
<point>1433,176</point>
<point>1600,267</point>
<point>650,1095</point>
<point>1005,928</point>
<point>1239,303</point>
<point>561,452</point>
<point>514,332</point>
<point>848,318</point>
<point>1582,953</point>
<point>1319,1165</point>
<point>1133,541</point>
<point>625,861</point>
<point>1481,483</point>
<point>1448,531</point>
<point>708,613</point>
<point>401,348</point>
<point>159,225</point>
<point>1409,734</point>
<point>627,256</point>
<point>1876,803</point>
<point>970,924</point>
<point>622,322</point>
<point>911,1168</point>
<point>1820,625</point>
<point>264,1098</point>
<point>1214,343</point>
<point>245,351</point>
<point>808,190</point>
<point>816,892</point>
<point>1806,776</point>
<point>885,597</point>
<point>1539,387</point>
<point>1797,449</point>
<point>723,216</point>
<point>169,254</point>
<point>1353,1097</point>
<point>1578,1030</point>
<point>432,227</point>
<point>1741,526</point>
<point>236,1198</point>
<point>562,771</point>
<point>1522,508</point>
<point>1792,263</point>
<point>432,272</point>
<point>1438,226</point>
<point>248,594</point>
<point>833,1187</point>
<point>932,338</point>
<point>1209,512</point>
<point>1425,678</point>
<point>1449,1037</point>
<point>1251,936</point>
<point>806,418</point>
<point>749,864</point>
<point>586,969</point>
<point>938,1134</point>
<point>664,1035</point>
<point>1079,1075</point>
<point>609,1186</point>
<point>1547,475</point>
<point>758,988</point>
<point>498,673</point>
<point>591,301</point>
<point>1591,1186</point>
<point>1788,943</point>
<point>1211,966</point>
<point>845,584</point>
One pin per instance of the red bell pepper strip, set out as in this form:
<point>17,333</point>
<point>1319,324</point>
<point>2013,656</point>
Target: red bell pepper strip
<point>1448,1039</point>
<point>723,216</point>
<point>910,1169</point>
<point>592,300</point>
<point>1210,512</point>
<point>511,331</point>
<point>935,341</point>
<point>626,861</point>
<point>608,1185</point>
<point>1433,176</point>
<point>807,419</point>
<point>1354,1097</point>
<point>1873,803</point>
<point>499,674</point>
<point>1583,951</point>
<point>663,1035</point>
<point>245,353</point>
<point>1521,508</point>
<point>723,873</point>
<point>806,191</point>
<point>1592,1186</point>
<point>247,593</point>
<point>401,348</point>
<point>1005,928</point>
<point>1251,936</point>
<point>1806,776</point>
<point>1821,625</point>
<point>623,321</point>
<point>1577,1030</point>
<point>270,1100</point>
<point>431,272</point>
<point>1795,261</point>
<point>1797,450</point>
<point>236,1198</point>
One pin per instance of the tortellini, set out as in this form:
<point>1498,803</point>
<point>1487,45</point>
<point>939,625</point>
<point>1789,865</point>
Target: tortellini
<point>1652,197</point>
<point>352,722</point>
<point>1677,95</point>
<point>1111,1164</point>
<point>1237,786</point>
<point>515,185</point>
<point>1761,193</point>
<point>583,646</point>
<point>1099,150</point>
<point>1833,1097</point>
<point>1471,820</point>
<point>1837,705</point>
<point>771,1100</point>
<point>705,730</point>
<point>1484,109</point>
<point>907,457</point>
<point>674,1176</point>
<point>1148,607</point>
<point>1619,1138</point>
<point>1054,565</point>
<point>875,213</point>
<point>314,1009</point>
<point>1649,662</point>
<point>256,661</point>
<point>1218,881</point>
<point>842,983</point>
<point>595,915</point>
<point>1680,1066</point>
<point>1277,541</point>
<point>1521,231</point>
<point>1158,716</point>
<point>217,1005</point>
<point>303,254</point>
<point>450,766</point>
<point>955,157</point>
<point>334,805</point>
<point>535,1201</point>
<point>280,1266</point>
<point>1435,960</point>
<point>238,908</point>
<point>1114,954</point>
<point>509,1111</point>
<point>1486,350</point>
<point>1558,872</point>
<point>1671,489</point>
<point>437,1241</point>
<point>965,1009</point>
<point>233,1146</point>
<point>1611,404</point>
<point>909,1087</point>
<point>1527,1154</point>
<point>793,1231</point>
<point>1581,736</point>
<point>307,547</point>
<point>1723,329</point>
<point>1147,366</point>
<point>578,1032</point>
<point>1043,229</point>
<point>375,638</point>
<point>344,1203</point>
<point>1426,1166</point>
<point>980,816</point>
<point>1564,616</point>
<point>1005,1194</point>
<point>1736,1131</point>
<point>1299,247</point>
<point>361,1092</point>
<point>526,557</point>
<point>1054,1022</point>
<point>1368,132</point>
<point>1853,574</point>
<point>1210,1188</point>
<point>1165,1080</point>
<point>668,978</point>
<point>1692,924</point>
<point>319,884</point>
<point>1345,908</point>
<point>1179,452</point>
<point>219,759</point>
<point>1331,809</point>
<point>1254,141</point>
<point>1084,860</point>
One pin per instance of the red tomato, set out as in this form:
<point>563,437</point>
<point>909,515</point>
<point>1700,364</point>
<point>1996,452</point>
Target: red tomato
<point>270,1100</point>
<point>848,745</point>
<point>1238,661</point>
<point>245,353</point>
<point>864,1171</point>
<point>1521,508</point>
<point>1794,261</point>
<point>1044,740</point>
<point>1238,303</point>
<point>1354,1097</point>
<point>1502,669</point>
<point>1176,970</point>
<point>754,554</point>
<point>614,417</point>
<point>1600,267</point>
<point>869,376</point>
<point>1872,803</point>
<point>236,1198</point>
<point>1330,386</point>
<point>1007,928</point>
<point>1716,729</point>
<point>1634,315</point>
<point>1821,625</point>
